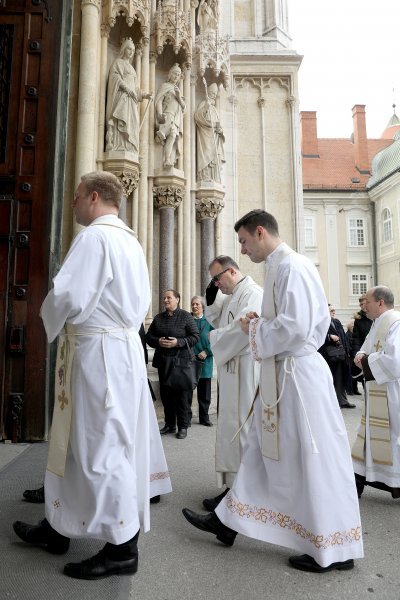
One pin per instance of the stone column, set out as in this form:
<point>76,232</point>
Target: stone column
<point>261,104</point>
<point>102,98</point>
<point>208,204</point>
<point>144,150</point>
<point>166,199</point>
<point>187,131</point>
<point>85,148</point>
<point>150,184</point>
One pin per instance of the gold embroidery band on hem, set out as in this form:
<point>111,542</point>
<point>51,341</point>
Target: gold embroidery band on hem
<point>282,521</point>
<point>161,475</point>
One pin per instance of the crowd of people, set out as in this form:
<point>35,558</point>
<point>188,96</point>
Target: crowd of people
<point>285,471</point>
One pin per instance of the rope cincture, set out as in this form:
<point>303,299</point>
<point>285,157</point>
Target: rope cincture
<point>289,367</point>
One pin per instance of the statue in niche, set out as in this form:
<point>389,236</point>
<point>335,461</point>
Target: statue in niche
<point>207,16</point>
<point>210,138</point>
<point>169,108</point>
<point>123,96</point>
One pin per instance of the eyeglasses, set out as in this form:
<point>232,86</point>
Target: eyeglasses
<point>332,310</point>
<point>217,277</point>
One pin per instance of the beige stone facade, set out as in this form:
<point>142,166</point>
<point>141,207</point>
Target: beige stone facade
<point>244,48</point>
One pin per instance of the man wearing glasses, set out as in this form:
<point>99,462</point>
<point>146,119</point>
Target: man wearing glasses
<point>229,296</point>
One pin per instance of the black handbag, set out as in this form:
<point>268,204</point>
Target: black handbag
<point>335,353</point>
<point>182,372</point>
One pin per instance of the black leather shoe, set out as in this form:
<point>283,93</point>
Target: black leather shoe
<point>35,496</point>
<point>212,524</point>
<point>182,433</point>
<point>155,499</point>
<point>206,423</point>
<point>100,566</point>
<point>211,504</point>
<point>306,563</point>
<point>357,394</point>
<point>347,405</point>
<point>167,429</point>
<point>42,534</point>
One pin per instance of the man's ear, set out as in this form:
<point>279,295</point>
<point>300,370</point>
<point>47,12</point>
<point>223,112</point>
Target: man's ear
<point>95,198</point>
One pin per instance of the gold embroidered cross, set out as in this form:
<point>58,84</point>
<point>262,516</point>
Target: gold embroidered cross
<point>63,400</point>
<point>377,346</point>
<point>270,413</point>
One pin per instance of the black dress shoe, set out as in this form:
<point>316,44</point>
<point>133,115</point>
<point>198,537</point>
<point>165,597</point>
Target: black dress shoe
<point>212,524</point>
<point>206,423</point>
<point>155,499</point>
<point>357,394</point>
<point>211,504</point>
<point>167,429</point>
<point>100,566</point>
<point>306,563</point>
<point>347,405</point>
<point>35,496</point>
<point>182,433</point>
<point>42,534</point>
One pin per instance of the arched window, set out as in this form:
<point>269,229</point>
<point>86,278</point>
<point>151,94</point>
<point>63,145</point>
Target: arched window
<point>386,225</point>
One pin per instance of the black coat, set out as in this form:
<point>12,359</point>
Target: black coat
<point>361,328</point>
<point>335,328</point>
<point>180,325</point>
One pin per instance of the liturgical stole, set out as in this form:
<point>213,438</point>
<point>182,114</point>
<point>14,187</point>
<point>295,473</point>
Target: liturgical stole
<point>378,418</point>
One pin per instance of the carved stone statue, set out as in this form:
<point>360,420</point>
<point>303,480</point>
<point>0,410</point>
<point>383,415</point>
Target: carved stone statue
<point>210,138</point>
<point>207,16</point>
<point>169,109</point>
<point>123,95</point>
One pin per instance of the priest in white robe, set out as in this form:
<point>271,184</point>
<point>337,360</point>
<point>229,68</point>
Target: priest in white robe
<point>295,486</point>
<point>230,296</point>
<point>376,451</point>
<point>105,449</point>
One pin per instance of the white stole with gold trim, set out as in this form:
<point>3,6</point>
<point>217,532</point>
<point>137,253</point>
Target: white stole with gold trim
<point>378,417</point>
<point>268,380</point>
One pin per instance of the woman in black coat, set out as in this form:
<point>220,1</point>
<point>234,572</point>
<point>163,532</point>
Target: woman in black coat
<point>170,333</point>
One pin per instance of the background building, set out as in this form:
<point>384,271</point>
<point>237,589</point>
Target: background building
<point>351,197</point>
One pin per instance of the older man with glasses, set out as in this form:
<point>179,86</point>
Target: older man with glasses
<point>229,296</point>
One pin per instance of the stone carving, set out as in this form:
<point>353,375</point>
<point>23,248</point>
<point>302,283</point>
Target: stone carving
<point>123,96</point>
<point>169,109</point>
<point>208,208</point>
<point>207,16</point>
<point>210,138</point>
<point>168,196</point>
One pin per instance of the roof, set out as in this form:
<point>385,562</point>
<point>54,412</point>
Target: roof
<point>335,168</point>
<point>386,162</point>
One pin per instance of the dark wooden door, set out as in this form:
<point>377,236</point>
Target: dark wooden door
<point>29,67</point>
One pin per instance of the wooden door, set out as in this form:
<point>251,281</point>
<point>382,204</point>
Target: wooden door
<point>29,68</point>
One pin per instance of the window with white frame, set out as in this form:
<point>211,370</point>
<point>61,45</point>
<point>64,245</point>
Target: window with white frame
<point>309,231</point>
<point>359,283</point>
<point>386,225</point>
<point>356,232</point>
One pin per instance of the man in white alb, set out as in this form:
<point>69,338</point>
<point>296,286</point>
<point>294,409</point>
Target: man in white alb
<point>229,296</point>
<point>295,486</point>
<point>376,451</point>
<point>104,440</point>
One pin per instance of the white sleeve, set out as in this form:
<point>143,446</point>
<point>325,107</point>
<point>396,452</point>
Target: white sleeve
<point>78,286</point>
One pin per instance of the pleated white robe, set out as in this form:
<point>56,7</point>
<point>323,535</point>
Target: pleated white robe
<point>238,374</point>
<point>114,452</point>
<point>385,367</point>
<point>306,501</point>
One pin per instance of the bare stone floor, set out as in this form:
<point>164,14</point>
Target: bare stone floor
<point>178,562</point>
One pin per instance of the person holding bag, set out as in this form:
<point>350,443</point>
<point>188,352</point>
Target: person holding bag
<point>334,350</point>
<point>173,333</point>
<point>204,353</point>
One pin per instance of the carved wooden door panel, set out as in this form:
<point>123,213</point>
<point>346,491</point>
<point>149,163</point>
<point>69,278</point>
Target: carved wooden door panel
<point>29,55</point>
